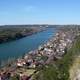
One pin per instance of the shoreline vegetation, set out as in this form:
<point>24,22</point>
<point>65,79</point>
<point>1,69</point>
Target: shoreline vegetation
<point>50,61</point>
<point>8,34</point>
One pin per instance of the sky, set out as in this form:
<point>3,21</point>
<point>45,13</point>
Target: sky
<point>39,12</point>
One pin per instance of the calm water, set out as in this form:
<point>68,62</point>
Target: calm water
<point>19,47</point>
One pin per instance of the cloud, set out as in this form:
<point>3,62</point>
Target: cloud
<point>30,8</point>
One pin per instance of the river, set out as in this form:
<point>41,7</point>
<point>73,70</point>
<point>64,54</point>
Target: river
<point>18,47</point>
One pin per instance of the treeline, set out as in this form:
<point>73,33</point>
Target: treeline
<point>8,34</point>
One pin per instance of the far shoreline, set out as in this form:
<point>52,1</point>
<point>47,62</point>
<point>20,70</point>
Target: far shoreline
<point>35,30</point>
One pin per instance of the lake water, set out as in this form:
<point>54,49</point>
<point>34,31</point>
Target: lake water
<point>19,47</point>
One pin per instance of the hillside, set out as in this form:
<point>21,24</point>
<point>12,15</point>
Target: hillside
<point>67,68</point>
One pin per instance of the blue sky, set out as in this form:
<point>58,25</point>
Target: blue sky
<point>39,12</point>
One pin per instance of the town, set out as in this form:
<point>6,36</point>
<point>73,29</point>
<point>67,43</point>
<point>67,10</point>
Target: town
<point>24,68</point>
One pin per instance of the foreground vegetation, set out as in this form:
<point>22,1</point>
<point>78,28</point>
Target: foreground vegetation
<point>59,70</point>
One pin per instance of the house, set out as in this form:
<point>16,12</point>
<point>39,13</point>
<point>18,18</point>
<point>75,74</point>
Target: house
<point>20,62</point>
<point>40,48</point>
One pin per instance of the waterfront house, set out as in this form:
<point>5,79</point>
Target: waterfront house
<point>20,62</point>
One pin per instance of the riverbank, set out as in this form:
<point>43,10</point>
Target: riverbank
<point>53,50</point>
<point>14,33</point>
